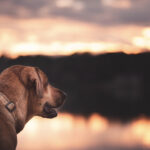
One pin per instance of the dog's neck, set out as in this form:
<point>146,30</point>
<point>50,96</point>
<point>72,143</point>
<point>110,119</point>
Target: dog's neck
<point>9,108</point>
<point>4,112</point>
<point>9,105</point>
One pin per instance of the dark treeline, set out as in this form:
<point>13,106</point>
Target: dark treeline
<point>115,85</point>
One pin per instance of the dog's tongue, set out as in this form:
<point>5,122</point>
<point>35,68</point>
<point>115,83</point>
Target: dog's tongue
<point>49,111</point>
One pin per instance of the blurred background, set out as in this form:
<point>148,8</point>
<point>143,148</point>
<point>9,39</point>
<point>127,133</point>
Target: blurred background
<point>97,51</point>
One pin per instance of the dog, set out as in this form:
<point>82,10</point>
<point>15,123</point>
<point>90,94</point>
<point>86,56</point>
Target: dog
<point>24,92</point>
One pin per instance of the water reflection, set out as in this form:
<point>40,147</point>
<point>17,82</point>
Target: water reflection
<point>69,132</point>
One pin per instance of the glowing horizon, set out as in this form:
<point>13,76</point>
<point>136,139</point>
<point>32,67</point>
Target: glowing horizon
<point>59,27</point>
<point>61,37</point>
<point>67,49</point>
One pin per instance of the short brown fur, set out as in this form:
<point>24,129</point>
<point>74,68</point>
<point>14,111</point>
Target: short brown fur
<point>29,89</point>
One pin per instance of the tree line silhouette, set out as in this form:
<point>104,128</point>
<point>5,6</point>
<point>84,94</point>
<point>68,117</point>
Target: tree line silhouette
<point>115,85</point>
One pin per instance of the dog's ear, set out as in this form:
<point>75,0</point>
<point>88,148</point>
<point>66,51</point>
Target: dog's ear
<point>31,78</point>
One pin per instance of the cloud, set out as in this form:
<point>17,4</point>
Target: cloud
<point>104,12</point>
<point>123,4</point>
<point>52,36</point>
<point>64,27</point>
<point>76,5</point>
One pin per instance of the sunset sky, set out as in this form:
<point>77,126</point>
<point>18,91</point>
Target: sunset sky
<point>62,27</point>
<point>65,27</point>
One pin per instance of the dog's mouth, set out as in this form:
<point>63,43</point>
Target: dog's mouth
<point>49,111</point>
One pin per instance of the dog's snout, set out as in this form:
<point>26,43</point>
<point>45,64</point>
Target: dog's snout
<point>63,94</point>
<point>59,97</point>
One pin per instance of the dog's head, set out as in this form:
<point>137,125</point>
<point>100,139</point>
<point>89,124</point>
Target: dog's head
<point>43,97</point>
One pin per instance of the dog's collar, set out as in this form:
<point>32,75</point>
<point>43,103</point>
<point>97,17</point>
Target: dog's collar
<point>9,105</point>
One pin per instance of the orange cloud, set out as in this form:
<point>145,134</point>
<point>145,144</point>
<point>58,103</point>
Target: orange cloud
<point>124,4</point>
<point>65,37</point>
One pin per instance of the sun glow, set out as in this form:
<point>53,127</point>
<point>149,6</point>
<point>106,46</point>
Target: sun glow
<point>143,41</point>
<point>59,36</point>
<point>67,132</point>
<point>146,32</point>
<point>63,49</point>
<point>97,123</point>
<point>141,129</point>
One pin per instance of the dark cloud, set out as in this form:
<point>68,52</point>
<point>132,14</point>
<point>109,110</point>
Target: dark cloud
<point>95,11</point>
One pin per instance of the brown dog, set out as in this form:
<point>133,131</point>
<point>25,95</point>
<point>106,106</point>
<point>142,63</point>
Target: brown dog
<point>24,93</point>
